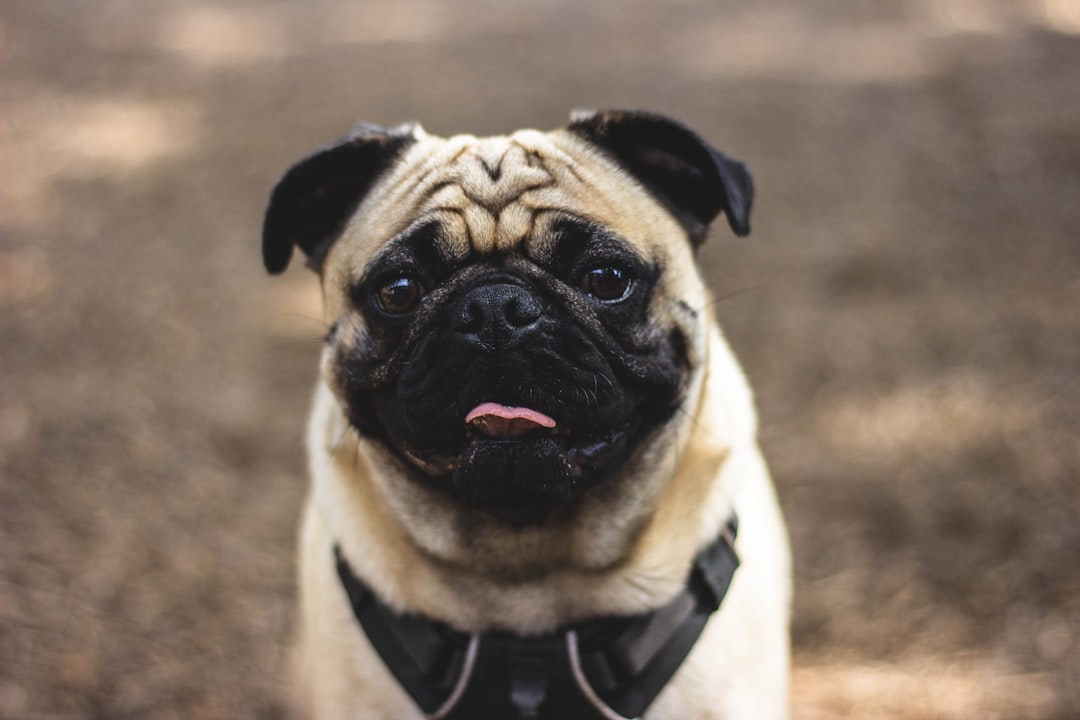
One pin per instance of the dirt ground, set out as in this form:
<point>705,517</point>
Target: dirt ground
<point>908,311</point>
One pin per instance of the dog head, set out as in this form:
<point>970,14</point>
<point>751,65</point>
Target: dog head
<point>516,320</point>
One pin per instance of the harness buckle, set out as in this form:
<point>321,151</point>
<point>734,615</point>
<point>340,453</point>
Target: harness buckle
<point>528,690</point>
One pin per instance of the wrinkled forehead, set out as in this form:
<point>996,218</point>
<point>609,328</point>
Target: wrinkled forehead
<point>497,194</point>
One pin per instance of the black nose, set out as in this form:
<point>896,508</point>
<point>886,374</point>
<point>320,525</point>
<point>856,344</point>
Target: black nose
<point>496,317</point>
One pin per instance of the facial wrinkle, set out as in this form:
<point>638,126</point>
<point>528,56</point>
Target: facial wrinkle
<point>484,186</point>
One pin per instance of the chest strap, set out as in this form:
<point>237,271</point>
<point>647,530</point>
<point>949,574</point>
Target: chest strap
<point>608,668</point>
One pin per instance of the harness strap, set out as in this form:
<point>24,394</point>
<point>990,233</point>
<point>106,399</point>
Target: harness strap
<point>426,657</point>
<point>631,669</point>
<point>607,668</point>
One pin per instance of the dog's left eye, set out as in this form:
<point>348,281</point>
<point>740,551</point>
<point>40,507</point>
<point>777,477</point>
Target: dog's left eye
<point>399,296</point>
<point>607,284</point>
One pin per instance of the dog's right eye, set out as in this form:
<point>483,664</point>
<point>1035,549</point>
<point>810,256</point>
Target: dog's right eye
<point>400,296</point>
<point>608,284</point>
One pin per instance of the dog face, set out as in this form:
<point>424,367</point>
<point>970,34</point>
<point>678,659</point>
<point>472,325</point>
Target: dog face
<point>516,320</point>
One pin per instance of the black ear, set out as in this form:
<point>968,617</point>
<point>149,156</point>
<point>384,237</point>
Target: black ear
<point>693,180</point>
<point>312,202</point>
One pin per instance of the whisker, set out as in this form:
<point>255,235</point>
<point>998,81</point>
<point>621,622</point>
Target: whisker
<point>309,342</point>
<point>318,321</point>
<point>734,293</point>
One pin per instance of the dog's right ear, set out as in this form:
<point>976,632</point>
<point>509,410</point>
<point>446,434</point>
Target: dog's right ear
<point>312,202</point>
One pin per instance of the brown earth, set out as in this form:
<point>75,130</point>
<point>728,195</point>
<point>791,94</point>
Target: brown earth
<point>908,311</point>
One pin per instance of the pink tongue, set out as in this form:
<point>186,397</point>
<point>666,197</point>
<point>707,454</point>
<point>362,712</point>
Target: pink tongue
<point>502,420</point>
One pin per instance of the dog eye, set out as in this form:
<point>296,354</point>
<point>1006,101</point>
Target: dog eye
<point>606,284</point>
<point>399,296</point>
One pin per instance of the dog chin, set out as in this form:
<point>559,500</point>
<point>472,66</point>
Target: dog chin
<point>522,480</point>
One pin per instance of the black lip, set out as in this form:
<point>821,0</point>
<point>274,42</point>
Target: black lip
<point>499,429</point>
<point>580,454</point>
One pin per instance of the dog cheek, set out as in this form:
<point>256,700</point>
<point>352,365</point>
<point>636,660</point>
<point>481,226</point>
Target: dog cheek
<point>353,370</point>
<point>662,377</point>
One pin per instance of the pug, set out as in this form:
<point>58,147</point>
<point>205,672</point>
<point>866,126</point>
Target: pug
<point>536,490</point>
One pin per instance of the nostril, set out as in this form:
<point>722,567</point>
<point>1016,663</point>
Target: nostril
<point>470,317</point>
<point>522,310</point>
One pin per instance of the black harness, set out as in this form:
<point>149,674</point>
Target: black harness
<point>606,668</point>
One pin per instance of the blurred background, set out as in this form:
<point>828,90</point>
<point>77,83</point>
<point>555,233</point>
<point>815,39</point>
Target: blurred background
<point>908,310</point>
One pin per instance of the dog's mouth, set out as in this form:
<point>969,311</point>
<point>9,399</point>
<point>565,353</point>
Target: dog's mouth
<point>497,421</point>
<point>523,434</point>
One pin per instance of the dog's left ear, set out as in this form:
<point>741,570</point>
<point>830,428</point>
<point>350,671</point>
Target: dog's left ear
<point>694,180</point>
<point>312,202</point>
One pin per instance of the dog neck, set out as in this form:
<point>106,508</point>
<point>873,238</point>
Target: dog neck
<point>610,668</point>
